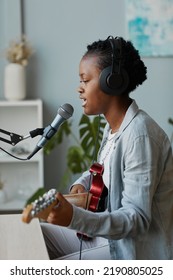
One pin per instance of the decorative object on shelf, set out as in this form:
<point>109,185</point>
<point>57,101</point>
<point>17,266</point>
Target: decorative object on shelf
<point>18,55</point>
<point>24,191</point>
<point>15,82</point>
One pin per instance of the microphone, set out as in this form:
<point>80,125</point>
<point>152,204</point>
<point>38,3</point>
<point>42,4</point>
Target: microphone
<point>64,112</point>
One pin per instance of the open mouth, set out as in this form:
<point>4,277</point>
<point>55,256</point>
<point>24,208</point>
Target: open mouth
<point>84,101</point>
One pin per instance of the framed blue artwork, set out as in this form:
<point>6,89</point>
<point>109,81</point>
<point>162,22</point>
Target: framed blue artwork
<point>150,26</point>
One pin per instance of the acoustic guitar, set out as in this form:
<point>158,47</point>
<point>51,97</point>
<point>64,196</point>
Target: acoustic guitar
<point>93,200</point>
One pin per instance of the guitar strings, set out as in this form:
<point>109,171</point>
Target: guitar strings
<point>90,179</point>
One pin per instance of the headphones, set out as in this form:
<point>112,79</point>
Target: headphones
<point>114,79</point>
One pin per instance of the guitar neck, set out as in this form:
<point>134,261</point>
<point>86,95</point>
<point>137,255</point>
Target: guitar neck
<point>92,200</point>
<point>80,199</point>
<point>35,210</point>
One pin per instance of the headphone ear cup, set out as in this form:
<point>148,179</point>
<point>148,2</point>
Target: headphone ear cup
<point>113,83</point>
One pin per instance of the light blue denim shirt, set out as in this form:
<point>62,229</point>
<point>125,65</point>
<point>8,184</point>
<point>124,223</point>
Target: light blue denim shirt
<point>139,219</point>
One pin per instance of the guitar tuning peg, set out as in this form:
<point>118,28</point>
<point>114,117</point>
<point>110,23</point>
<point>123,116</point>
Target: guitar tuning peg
<point>36,202</point>
<point>44,205</point>
<point>45,195</point>
<point>32,213</point>
<point>52,192</point>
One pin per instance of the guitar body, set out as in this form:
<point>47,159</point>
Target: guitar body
<point>94,200</point>
<point>97,189</point>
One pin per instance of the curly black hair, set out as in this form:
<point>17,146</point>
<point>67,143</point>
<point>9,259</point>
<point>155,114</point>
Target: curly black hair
<point>132,63</point>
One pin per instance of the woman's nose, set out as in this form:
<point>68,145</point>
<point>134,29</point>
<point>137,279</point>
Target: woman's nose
<point>79,89</point>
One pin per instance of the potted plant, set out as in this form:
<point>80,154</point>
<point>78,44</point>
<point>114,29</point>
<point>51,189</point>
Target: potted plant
<point>80,155</point>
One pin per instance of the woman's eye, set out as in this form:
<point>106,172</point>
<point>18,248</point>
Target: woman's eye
<point>84,82</point>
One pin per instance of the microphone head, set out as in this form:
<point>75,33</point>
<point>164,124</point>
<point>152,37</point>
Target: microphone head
<point>66,111</point>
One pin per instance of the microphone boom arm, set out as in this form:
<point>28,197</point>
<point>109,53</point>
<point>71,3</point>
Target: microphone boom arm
<point>16,138</point>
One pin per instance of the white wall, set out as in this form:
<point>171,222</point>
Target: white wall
<point>59,30</point>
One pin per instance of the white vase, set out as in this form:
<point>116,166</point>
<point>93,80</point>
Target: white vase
<point>14,82</point>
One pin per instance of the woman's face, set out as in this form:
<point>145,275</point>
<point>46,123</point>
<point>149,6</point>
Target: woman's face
<point>94,100</point>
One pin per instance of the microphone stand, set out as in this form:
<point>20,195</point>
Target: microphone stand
<point>16,138</point>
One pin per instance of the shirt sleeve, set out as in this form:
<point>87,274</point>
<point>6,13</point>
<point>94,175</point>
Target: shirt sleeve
<point>84,180</point>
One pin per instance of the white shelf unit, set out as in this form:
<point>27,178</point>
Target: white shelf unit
<point>21,178</point>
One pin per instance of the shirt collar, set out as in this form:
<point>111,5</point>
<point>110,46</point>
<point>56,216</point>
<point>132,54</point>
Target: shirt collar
<point>129,116</point>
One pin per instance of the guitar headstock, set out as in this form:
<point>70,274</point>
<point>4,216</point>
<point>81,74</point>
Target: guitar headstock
<point>41,207</point>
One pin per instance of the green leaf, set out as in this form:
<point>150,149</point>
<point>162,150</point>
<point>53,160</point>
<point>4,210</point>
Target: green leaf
<point>89,136</point>
<point>64,131</point>
<point>76,160</point>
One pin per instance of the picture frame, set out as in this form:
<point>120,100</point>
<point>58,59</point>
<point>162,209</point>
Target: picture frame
<point>150,26</point>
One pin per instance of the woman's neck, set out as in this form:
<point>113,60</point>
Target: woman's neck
<point>116,112</point>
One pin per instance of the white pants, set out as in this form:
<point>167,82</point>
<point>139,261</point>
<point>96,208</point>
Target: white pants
<point>63,243</point>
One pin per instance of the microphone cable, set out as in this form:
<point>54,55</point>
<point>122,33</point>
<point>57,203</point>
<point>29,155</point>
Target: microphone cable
<point>8,153</point>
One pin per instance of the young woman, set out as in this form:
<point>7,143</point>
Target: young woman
<point>138,168</point>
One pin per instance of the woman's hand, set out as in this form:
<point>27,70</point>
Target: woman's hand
<point>62,213</point>
<point>77,189</point>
